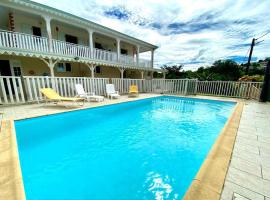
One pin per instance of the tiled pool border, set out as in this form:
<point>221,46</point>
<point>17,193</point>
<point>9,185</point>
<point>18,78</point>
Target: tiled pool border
<point>11,182</point>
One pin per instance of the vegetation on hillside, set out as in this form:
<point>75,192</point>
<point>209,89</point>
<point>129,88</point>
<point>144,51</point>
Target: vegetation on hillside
<point>223,70</point>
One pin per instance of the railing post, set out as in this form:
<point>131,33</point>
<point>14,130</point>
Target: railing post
<point>196,86</point>
<point>186,86</point>
<point>164,75</point>
<point>24,93</point>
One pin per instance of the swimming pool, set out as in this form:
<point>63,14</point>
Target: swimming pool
<point>145,149</point>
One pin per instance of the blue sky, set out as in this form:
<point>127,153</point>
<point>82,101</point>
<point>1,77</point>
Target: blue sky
<point>194,33</point>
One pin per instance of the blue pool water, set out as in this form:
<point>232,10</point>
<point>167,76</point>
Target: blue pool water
<point>146,149</point>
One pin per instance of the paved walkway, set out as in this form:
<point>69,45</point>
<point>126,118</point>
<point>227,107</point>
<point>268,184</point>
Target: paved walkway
<point>248,176</point>
<point>34,110</point>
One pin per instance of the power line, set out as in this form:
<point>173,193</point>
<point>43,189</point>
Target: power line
<point>263,35</point>
<point>259,42</point>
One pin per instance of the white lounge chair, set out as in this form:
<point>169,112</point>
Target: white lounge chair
<point>110,91</point>
<point>89,96</point>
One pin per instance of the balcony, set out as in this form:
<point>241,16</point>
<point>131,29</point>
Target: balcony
<point>34,44</point>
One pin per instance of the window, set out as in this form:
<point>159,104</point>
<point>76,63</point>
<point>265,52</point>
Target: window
<point>36,31</point>
<point>97,70</point>
<point>68,67</point>
<point>71,39</point>
<point>98,46</point>
<point>17,71</point>
<point>124,51</point>
<point>63,67</point>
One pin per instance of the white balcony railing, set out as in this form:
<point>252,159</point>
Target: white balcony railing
<point>145,63</point>
<point>69,49</point>
<point>23,41</point>
<point>99,54</point>
<point>129,60</point>
<point>26,42</point>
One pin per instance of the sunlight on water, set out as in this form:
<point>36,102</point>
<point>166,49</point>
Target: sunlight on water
<point>159,186</point>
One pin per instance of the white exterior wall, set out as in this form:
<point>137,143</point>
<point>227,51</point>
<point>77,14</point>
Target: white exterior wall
<point>64,29</point>
<point>129,48</point>
<point>107,43</point>
<point>24,23</point>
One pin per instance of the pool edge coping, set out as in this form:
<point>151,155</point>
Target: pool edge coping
<point>112,102</point>
<point>209,180</point>
<point>12,186</point>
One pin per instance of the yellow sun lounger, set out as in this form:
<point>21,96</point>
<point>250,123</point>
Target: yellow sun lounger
<point>133,90</point>
<point>53,96</point>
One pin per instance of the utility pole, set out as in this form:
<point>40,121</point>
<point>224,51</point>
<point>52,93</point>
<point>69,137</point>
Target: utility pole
<point>250,54</point>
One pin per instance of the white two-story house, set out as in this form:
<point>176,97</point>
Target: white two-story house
<point>37,40</point>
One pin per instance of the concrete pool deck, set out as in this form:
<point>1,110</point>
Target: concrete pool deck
<point>248,175</point>
<point>248,168</point>
<point>34,110</point>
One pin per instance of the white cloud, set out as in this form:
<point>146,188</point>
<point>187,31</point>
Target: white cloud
<point>204,30</point>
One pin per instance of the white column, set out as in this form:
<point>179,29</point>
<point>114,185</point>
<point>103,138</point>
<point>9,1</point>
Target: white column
<point>49,31</point>
<point>138,55</point>
<point>92,69</point>
<point>142,74</point>
<point>51,71</point>
<point>51,65</point>
<point>122,70</point>
<point>122,78</point>
<point>118,48</point>
<point>91,45</point>
<point>152,58</point>
<point>164,75</point>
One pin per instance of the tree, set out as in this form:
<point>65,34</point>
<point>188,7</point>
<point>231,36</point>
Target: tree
<point>226,70</point>
<point>256,69</point>
<point>223,70</point>
<point>174,72</point>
